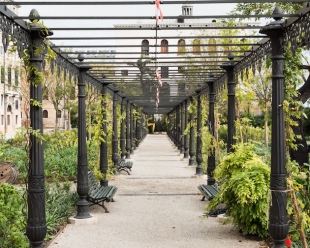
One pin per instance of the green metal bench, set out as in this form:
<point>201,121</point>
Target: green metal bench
<point>124,166</point>
<point>208,191</point>
<point>98,194</point>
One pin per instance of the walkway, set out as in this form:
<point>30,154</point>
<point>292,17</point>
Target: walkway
<point>158,205</point>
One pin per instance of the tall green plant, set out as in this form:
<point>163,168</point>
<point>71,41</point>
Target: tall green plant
<point>12,219</point>
<point>244,179</point>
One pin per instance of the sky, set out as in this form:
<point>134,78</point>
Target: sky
<point>110,10</point>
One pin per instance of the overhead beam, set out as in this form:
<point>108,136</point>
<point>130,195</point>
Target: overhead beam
<point>154,17</point>
<point>161,37</point>
<point>149,2</point>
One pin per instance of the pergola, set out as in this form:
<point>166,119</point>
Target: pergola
<point>224,71</point>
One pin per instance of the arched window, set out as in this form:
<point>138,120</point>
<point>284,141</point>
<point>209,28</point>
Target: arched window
<point>181,46</point>
<point>196,47</point>
<point>45,114</point>
<point>164,46</point>
<point>9,109</point>
<point>145,47</point>
<point>59,114</point>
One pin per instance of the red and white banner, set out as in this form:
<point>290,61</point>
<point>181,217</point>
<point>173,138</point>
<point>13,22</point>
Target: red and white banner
<point>159,78</point>
<point>158,9</point>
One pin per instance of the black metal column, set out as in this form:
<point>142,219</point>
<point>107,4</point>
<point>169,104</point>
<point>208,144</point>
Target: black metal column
<point>211,157</point>
<point>191,160</point>
<point>229,67</point>
<point>176,127</point>
<point>185,125</point>
<point>170,127</point>
<point>181,128</point>
<point>137,131</point>
<point>141,127</point>
<point>134,131</point>
<point>115,155</point>
<point>178,109</point>
<point>104,159</point>
<point>36,221</point>
<point>199,158</point>
<point>128,142</point>
<point>82,178</point>
<point>131,130</point>
<point>278,225</point>
<point>122,138</point>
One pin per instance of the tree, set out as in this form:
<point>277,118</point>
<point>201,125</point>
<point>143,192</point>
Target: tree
<point>57,90</point>
<point>261,86</point>
<point>300,152</point>
<point>146,76</point>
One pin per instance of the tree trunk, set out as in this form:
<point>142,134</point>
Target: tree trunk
<point>301,155</point>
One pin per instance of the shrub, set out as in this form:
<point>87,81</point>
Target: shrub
<point>244,189</point>
<point>12,219</point>
<point>60,203</point>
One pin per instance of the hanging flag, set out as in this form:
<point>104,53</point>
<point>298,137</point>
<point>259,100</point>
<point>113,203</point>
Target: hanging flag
<point>157,95</point>
<point>159,78</point>
<point>157,4</point>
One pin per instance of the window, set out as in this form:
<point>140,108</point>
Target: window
<point>164,46</point>
<point>59,114</point>
<point>16,104</point>
<point>196,47</point>
<point>9,75</point>
<point>2,75</point>
<point>45,114</point>
<point>145,47</point>
<point>16,76</point>
<point>164,71</point>
<point>16,119</point>
<point>9,109</point>
<point>45,93</point>
<point>8,120</point>
<point>124,72</point>
<point>181,46</point>
<point>2,119</point>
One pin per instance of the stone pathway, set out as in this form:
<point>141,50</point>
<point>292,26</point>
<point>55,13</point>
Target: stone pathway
<point>158,205</point>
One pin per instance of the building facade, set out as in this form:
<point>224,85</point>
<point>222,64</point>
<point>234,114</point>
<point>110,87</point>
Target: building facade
<point>10,88</point>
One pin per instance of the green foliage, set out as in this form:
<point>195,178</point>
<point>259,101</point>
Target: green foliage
<point>100,105</point>
<point>12,219</point>
<point>60,203</point>
<point>160,126</point>
<point>244,179</point>
<point>246,131</point>
<point>16,155</point>
<point>266,8</point>
<point>299,184</point>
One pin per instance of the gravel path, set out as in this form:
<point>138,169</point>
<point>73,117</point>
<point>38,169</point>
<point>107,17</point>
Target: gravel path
<point>158,205</point>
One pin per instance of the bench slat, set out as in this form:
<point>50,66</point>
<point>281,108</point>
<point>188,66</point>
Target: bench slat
<point>98,193</point>
<point>208,191</point>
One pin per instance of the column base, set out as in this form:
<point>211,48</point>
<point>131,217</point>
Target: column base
<point>199,176</point>
<point>83,222</point>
